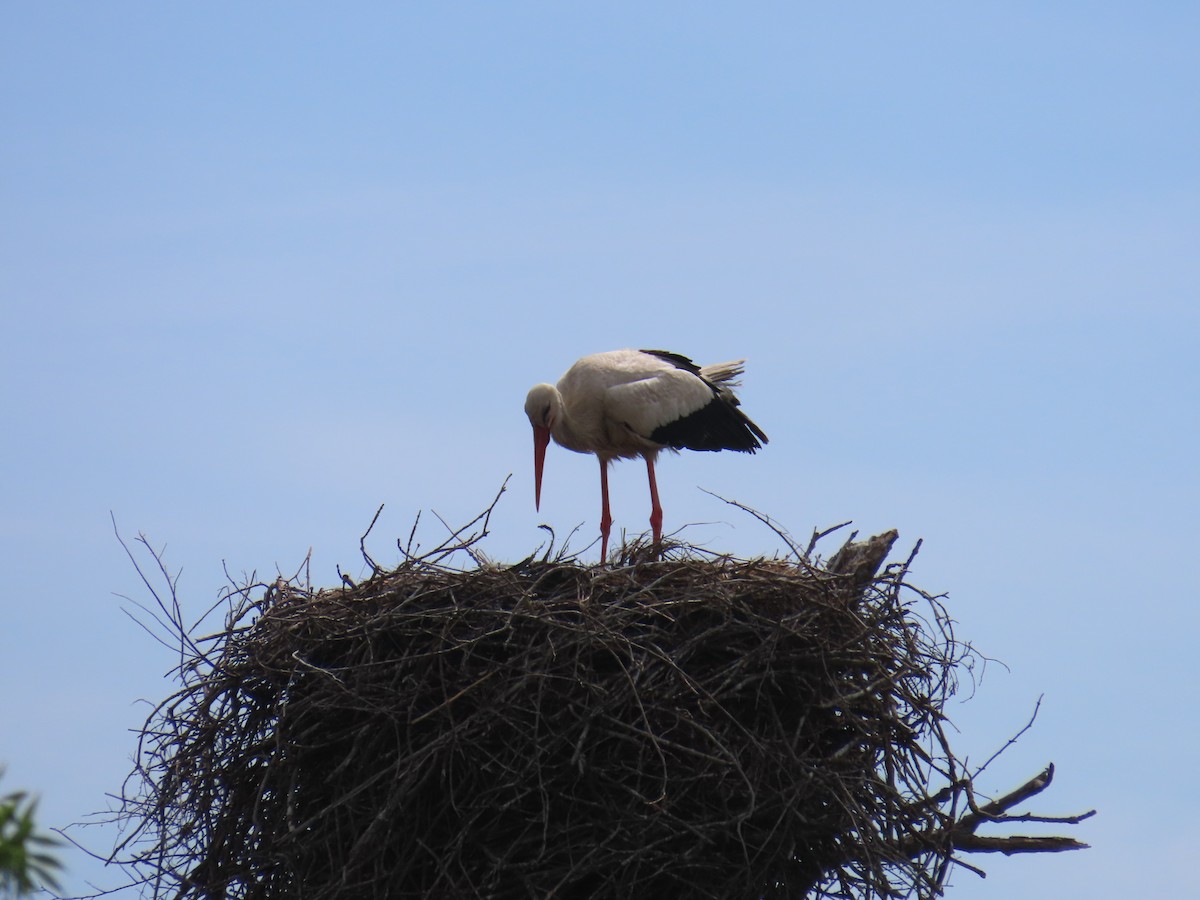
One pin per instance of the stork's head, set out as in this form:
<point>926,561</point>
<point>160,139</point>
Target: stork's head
<point>543,406</point>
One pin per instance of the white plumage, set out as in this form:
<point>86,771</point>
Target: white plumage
<point>628,403</point>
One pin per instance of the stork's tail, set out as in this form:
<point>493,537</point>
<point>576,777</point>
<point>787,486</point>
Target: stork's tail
<point>724,375</point>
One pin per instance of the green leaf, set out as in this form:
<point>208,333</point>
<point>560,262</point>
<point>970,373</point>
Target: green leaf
<point>22,870</point>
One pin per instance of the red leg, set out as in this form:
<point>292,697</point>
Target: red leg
<point>605,515</point>
<point>655,506</point>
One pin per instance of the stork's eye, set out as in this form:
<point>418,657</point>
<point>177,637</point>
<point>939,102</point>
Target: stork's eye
<point>546,414</point>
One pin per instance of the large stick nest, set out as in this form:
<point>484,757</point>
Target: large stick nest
<point>693,726</point>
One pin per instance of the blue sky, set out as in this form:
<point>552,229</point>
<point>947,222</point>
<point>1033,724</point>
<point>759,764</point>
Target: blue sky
<point>264,267</point>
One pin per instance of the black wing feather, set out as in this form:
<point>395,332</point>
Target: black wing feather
<point>679,361</point>
<point>718,425</point>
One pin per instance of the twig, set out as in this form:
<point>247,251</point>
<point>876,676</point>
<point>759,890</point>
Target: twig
<point>779,530</point>
<point>362,544</point>
<point>818,536</point>
<point>1012,740</point>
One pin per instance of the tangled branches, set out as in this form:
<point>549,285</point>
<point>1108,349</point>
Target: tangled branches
<point>692,726</point>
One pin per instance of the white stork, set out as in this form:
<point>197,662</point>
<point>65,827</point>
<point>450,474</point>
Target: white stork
<point>628,403</point>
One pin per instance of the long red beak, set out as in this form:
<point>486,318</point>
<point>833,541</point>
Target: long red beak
<point>541,437</point>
